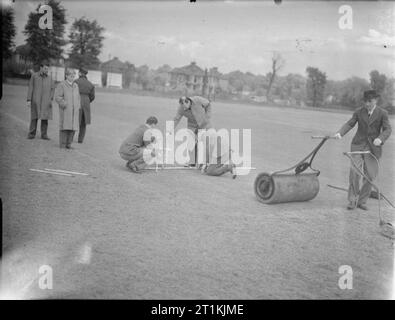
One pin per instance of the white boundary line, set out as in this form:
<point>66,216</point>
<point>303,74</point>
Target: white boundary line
<point>191,168</point>
<point>58,173</point>
<point>65,171</point>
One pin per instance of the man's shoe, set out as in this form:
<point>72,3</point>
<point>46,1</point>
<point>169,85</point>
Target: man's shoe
<point>69,147</point>
<point>132,167</point>
<point>351,206</point>
<point>45,138</point>
<point>363,206</point>
<point>79,141</point>
<point>30,137</point>
<point>233,171</point>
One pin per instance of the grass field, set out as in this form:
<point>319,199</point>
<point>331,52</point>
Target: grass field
<point>180,234</point>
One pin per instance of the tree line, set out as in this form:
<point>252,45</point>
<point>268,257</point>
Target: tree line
<point>85,38</point>
<point>85,42</point>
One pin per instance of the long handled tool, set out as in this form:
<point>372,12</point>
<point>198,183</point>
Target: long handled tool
<point>387,228</point>
<point>373,194</point>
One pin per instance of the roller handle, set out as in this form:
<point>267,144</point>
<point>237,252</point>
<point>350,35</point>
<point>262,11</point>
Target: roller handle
<point>356,152</point>
<point>322,137</point>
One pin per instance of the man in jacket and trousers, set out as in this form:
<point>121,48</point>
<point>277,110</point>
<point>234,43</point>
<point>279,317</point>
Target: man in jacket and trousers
<point>197,110</point>
<point>87,93</point>
<point>39,98</point>
<point>373,130</point>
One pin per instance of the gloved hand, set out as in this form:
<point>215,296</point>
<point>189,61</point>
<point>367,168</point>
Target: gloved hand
<point>377,142</point>
<point>28,104</point>
<point>337,135</point>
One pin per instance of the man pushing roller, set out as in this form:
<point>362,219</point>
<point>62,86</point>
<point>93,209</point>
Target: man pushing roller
<point>373,130</point>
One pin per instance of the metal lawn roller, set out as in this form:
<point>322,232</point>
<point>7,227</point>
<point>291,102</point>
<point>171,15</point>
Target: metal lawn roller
<point>292,184</point>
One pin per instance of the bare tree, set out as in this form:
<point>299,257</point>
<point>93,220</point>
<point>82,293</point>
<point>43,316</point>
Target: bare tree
<point>277,63</point>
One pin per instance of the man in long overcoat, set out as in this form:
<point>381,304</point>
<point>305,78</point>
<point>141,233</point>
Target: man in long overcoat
<point>39,98</point>
<point>68,98</point>
<point>87,93</point>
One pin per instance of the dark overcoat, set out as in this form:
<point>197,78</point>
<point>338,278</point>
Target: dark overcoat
<point>87,94</point>
<point>40,94</point>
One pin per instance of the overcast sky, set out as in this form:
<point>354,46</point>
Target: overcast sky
<point>240,35</point>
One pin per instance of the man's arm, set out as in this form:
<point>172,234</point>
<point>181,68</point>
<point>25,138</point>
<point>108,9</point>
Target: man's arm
<point>59,96</point>
<point>199,114</point>
<point>30,90</point>
<point>92,94</point>
<point>386,128</point>
<point>53,86</point>
<point>178,117</point>
<point>349,124</point>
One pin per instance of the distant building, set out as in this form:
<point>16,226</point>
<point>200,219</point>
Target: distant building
<point>113,70</point>
<point>191,80</point>
<point>188,79</point>
<point>247,91</point>
<point>216,81</point>
<point>258,98</point>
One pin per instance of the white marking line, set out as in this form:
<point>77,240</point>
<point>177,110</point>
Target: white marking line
<point>57,173</point>
<point>193,168</point>
<point>170,168</point>
<point>65,171</point>
<point>85,254</point>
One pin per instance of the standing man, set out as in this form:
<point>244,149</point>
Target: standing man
<point>87,93</point>
<point>68,98</point>
<point>197,110</point>
<point>39,97</point>
<point>373,130</point>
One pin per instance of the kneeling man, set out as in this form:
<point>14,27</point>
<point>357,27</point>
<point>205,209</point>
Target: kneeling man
<point>132,149</point>
<point>218,155</point>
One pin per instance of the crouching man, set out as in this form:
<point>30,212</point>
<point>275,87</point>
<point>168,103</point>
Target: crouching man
<point>218,155</point>
<point>132,149</point>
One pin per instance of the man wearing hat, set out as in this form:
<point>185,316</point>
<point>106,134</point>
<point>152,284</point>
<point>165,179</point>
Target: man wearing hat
<point>373,130</point>
<point>87,93</point>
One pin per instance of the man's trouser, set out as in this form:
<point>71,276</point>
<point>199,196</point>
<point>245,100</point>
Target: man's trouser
<point>217,169</point>
<point>33,127</point>
<point>367,164</point>
<point>82,131</point>
<point>135,157</point>
<point>193,154</point>
<point>66,138</point>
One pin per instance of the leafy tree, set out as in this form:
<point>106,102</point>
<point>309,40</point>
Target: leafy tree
<point>8,31</point>
<point>315,86</point>
<point>129,74</point>
<point>86,43</point>
<point>46,43</point>
<point>377,81</point>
